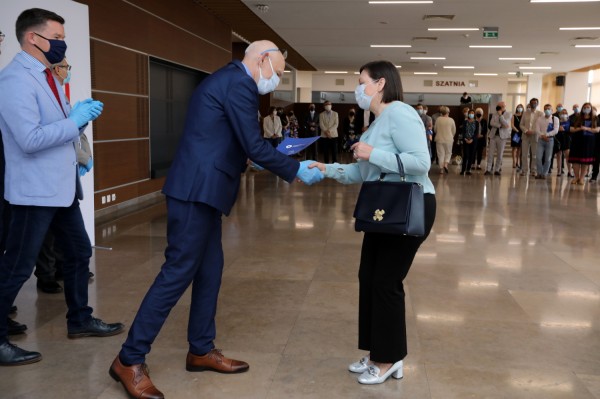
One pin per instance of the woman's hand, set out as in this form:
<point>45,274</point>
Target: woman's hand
<point>361,151</point>
<point>319,165</point>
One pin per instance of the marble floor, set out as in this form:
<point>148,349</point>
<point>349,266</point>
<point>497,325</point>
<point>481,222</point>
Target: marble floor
<point>503,299</point>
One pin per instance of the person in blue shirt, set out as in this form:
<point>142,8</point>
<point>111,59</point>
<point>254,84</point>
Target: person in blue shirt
<point>385,258</point>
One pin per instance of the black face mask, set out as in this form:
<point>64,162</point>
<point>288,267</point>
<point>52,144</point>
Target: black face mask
<point>311,109</point>
<point>478,115</point>
<point>58,49</point>
<point>498,108</point>
<point>351,113</point>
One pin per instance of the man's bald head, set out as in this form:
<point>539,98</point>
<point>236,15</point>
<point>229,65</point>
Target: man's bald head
<point>257,56</point>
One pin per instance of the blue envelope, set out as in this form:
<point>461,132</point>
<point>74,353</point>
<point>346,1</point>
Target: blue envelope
<point>291,146</point>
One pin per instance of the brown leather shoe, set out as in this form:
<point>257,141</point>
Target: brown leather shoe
<point>215,361</point>
<point>135,380</point>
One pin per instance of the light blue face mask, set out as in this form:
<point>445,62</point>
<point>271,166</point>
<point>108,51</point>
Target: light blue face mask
<point>362,99</point>
<point>558,109</point>
<point>266,86</point>
<point>547,112</point>
<point>67,79</point>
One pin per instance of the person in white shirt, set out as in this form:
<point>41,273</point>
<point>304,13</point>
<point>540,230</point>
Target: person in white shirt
<point>445,129</point>
<point>272,127</point>
<point>529,138</point>
<point>499,134</point>
<point>546,128</point>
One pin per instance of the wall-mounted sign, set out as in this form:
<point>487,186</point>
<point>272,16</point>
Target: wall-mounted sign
<point>453,83</point>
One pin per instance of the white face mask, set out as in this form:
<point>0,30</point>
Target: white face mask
<point>266,86</point>
<point>362,99</point>
<point>328,108</point>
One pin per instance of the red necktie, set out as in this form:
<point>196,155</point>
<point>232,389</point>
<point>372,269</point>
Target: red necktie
<point>52,85</point>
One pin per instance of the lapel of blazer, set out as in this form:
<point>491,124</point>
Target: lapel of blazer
<point>40,77</point>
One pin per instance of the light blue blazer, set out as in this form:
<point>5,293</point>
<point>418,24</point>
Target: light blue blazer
<point>39,141</point>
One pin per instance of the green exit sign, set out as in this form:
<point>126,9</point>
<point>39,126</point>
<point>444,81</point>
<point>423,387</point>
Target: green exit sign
<point>490,33</point>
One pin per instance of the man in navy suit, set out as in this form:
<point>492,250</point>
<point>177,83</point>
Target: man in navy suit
<point>221,132</point>
<point>40,132</point>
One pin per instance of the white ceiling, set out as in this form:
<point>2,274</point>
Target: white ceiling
<point>337,34</point>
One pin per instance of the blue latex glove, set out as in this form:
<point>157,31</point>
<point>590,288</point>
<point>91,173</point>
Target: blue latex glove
<point>85,111</point>
<point>82,170</point>
<point>89,165</point>
<point>255,166</point>
<point>309,176</point>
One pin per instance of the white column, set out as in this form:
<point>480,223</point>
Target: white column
<point>534,86</point>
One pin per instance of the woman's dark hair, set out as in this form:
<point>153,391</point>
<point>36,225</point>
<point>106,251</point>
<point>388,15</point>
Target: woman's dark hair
<point>271,109</point>
<point>392,91</point>
<point>33,18</point>
<point>582,117</point>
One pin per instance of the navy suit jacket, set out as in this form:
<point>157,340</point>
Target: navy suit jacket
<point>221,132</point>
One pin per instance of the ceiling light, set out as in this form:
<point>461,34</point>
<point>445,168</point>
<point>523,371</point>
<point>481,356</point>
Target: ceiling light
<point>512,73</point>
<point>527,73</point>
<point>562,1</point>
<point>459,67</point>
<point>516,59</point>
<point>336,71</point>
<point>427,58</point>
<point>588,28</point>
<point>391,45</point>
<point>425,73</point>
<point>587,45</point>
<point>495,46</point>
<point>402,2</point>
<point>451,29</point>
<point>398,66</point>
<point>485,74</point>
<point>535,67</point>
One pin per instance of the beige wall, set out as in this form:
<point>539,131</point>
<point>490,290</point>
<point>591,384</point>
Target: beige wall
<point>551,93</point>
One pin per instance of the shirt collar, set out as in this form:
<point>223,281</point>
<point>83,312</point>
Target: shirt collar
<point>37,65</point>
<point>247,70</point>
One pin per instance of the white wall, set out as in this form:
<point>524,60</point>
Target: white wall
<point>534,86</point>
<point>78,52</point>
<point>576,86</point>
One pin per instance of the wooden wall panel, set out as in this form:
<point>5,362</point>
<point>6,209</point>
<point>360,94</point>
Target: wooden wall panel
<point>136,29</point>
<point>124,117</point>
<point>129,192</point>
<point>117,69</point>
<point>121,162</point>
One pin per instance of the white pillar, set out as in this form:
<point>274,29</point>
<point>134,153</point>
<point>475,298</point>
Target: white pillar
<point>534,86</point>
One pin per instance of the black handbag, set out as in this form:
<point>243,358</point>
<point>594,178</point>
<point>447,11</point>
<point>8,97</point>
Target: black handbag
<point>391,207</point>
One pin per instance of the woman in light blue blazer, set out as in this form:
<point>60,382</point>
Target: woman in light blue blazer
<point>385,258</point>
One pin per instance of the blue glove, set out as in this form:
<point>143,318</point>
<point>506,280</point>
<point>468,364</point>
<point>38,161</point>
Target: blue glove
<point>82,170</point>
<point>85,111</point>
<point>89,165</point>
<point>309,176</point>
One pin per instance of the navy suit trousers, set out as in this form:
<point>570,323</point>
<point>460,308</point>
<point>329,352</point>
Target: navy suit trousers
<point>194,255</point>
<point>27,230</point>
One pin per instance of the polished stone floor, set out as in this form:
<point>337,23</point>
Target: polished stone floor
<point>503,300</point>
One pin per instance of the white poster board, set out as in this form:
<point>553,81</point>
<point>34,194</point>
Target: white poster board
<point>77,33</point>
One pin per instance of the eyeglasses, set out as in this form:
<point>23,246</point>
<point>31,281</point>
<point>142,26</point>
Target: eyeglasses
<point>67,67</point>
<point>282,51</point>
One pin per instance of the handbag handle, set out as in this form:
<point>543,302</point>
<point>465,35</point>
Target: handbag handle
<point>400,170</point>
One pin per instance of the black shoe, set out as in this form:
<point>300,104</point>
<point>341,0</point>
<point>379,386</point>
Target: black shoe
<point>96,328</point>
<point>49,287</point>
<point>462,172</point>
<point>14,327</point>
<point>487,173</point>
<point>497,173</point>
<point>13,309</point>
<point>446,170</point>
<point>469,172</point>
<point>12,355</point>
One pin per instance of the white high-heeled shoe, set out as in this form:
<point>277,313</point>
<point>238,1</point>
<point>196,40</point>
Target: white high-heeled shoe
<point>361,366</point>
<point>372,375</point>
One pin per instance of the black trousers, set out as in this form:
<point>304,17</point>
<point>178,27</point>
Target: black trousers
<point>329,147</point>
<point>469,151</point>
<point>385,262</point>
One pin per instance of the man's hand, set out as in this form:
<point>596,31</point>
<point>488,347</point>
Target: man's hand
<point>308,175</point>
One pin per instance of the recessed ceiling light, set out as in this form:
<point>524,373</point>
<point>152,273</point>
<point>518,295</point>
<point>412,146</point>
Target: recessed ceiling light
<point>562,1</point>
<point>287,71</point>
<point>425,73</point>
<point>485,74</point>
<point>587,45</point>
<point>398,66</point>
<point>516,59</point>
<point>536,67</point>
<point>427,58</point>
<point>357,73</point>
<point>575,28</point>
<point>512,73</point>
<point>494,46</point>
<point>391,45</point>
<point>527,73</point>
<point>402,2</point>
<point>336,71</point>
<point>459,67</point>
<point>451,29</point>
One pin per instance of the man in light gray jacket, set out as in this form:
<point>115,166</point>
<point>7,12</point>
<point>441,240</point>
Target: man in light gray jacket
<point>499,134</point>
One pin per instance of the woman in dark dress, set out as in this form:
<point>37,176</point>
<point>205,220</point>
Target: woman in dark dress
<point>564,141</point>
<point>515,137</point>
<point>583,132</point>
<point>482,130</point>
